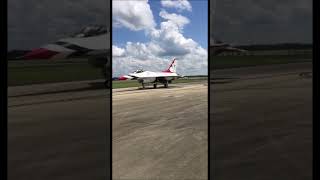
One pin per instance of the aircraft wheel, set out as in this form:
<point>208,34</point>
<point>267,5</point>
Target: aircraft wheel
<point>166,84</point>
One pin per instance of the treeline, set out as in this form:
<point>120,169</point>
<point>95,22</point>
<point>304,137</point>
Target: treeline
<point>282,46</point>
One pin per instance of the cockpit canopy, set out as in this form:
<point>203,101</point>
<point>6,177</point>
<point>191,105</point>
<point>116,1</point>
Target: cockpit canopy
<point>91,31</point>
<point>139,71</point>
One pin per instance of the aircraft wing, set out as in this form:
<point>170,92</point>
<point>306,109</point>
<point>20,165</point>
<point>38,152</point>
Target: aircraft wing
<point>88,44</point>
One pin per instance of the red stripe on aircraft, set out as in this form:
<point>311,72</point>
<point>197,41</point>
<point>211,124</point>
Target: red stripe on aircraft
<point>122,78</point>
<point>40,53</point>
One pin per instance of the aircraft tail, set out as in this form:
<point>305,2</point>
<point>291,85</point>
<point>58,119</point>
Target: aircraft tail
<point>173,67</point>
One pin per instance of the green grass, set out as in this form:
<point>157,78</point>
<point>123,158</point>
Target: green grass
<point>23,75</point>
<point>134,83</point>
<point>220,62</point>
<point>124,84</point>
<point>34,72</point>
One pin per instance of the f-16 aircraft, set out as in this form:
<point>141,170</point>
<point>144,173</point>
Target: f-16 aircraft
<point>148,77</point>
<point>220,47</point>
<point>92,42</point>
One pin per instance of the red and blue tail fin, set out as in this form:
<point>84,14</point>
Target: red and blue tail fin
<point>173,67</point>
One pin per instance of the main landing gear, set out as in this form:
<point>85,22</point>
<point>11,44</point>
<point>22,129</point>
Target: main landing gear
<point>166,85</point>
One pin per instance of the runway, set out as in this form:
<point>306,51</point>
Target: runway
<point>261,122</point>
<point>58,135</point>
<point>160,133</point>
<point>61,131</point>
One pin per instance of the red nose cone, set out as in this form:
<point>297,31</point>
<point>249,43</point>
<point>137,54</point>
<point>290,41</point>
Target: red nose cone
<point>122,78</point>
<point>40,53</point>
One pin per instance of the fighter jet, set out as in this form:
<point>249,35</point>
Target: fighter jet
<point>92,42</point>
<point>148,77</point>
<point>220,47</point>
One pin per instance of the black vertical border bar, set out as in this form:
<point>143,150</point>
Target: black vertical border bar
<point>208,56</point>
<point>3,98</point>
<point>110,70</point>
<point>315,66</point>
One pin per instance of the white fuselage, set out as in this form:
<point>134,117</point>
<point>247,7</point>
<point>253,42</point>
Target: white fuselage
<point>146,77</point>
<point>152,77</point>
<point>150,74</point>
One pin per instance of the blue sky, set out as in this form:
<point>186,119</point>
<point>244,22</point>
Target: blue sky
<point>149,34</point>
<point>197,29</point>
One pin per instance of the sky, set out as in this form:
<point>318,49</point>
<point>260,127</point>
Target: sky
<point>149,34</point>
<point>198,19</point>
<point>261,21</point>
<point>34,23</point>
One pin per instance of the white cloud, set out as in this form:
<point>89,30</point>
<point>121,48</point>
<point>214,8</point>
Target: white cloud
<point>135,15</point>
<point>178,4</point>
<point>177,19</point>
<point>166,42</point>
<point>117,52</point>
<point>170,38</point>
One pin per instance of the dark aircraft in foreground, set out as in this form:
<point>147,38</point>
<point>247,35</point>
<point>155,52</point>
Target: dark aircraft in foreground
<point>219,47</point>
<point>92,42</point>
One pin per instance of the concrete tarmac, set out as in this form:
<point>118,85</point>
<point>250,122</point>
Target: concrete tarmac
<point>61,131</point>
<point>261,123</point>
<point>160,133</point>
<point>58,135</point>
